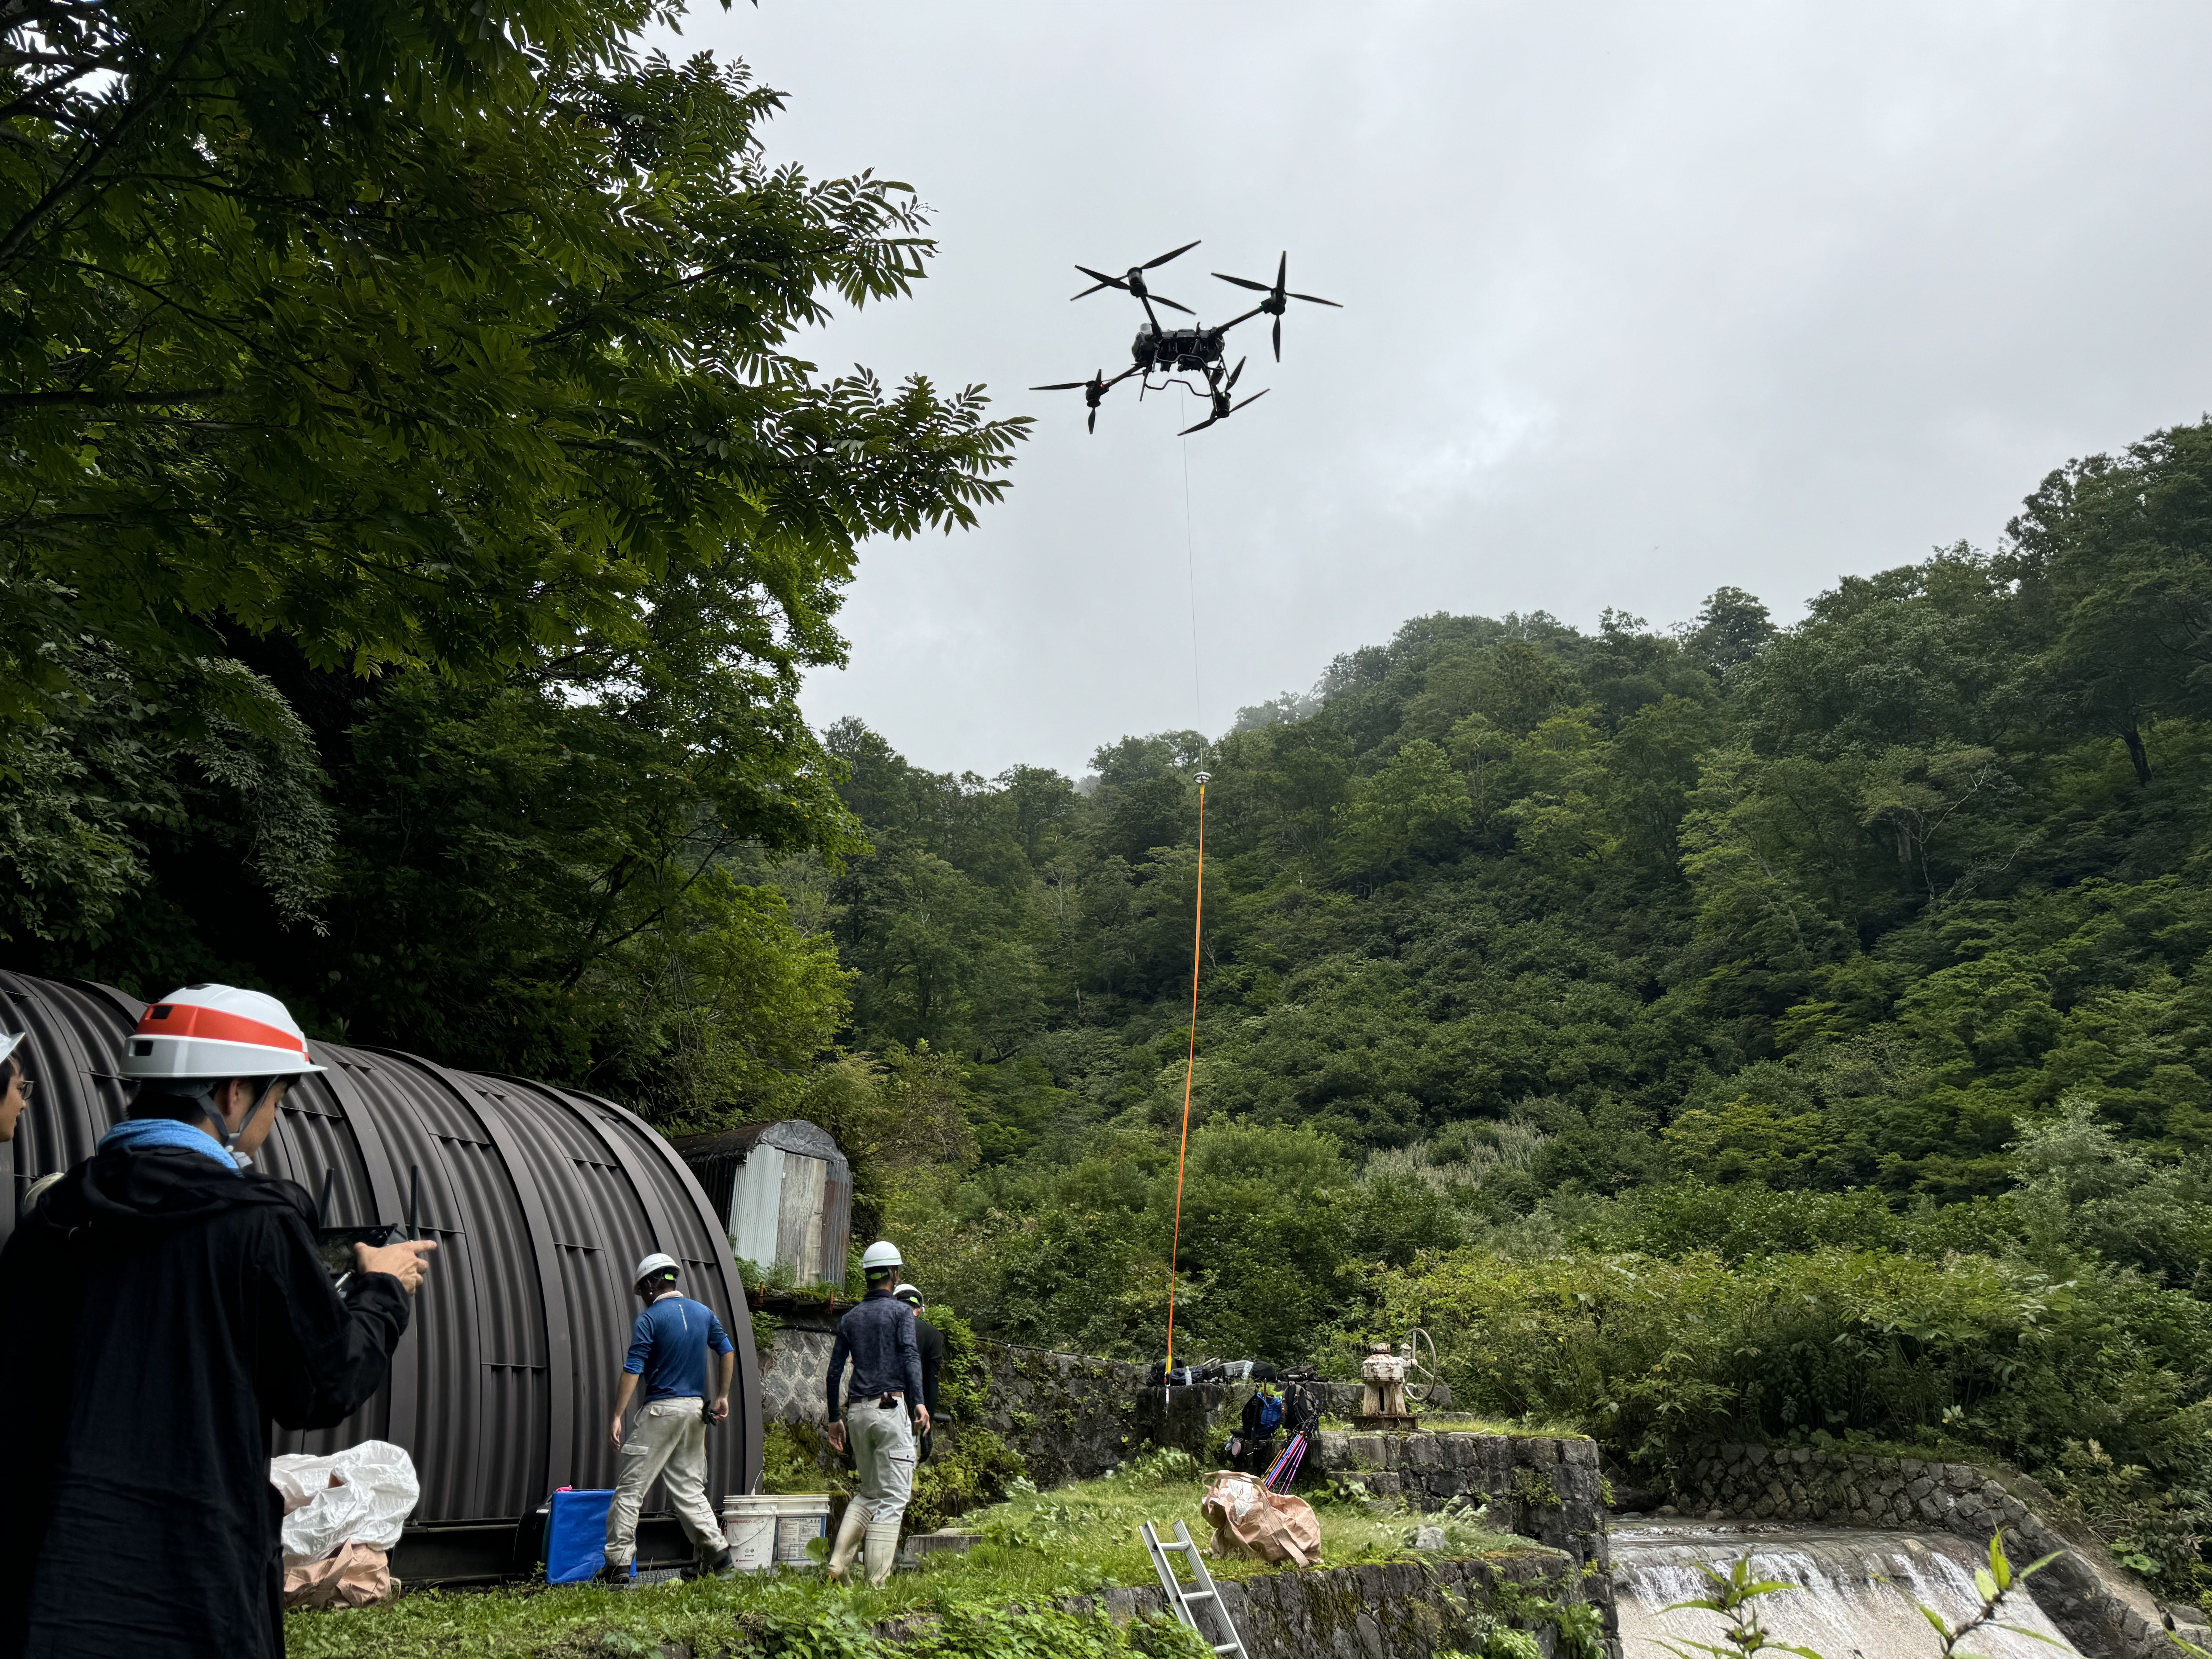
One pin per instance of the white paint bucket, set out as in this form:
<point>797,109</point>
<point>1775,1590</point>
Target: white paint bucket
<point>748,1528</point>
<point>801,1517</point>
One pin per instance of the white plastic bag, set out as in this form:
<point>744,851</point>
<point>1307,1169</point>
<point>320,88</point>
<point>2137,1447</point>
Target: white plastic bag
<point>362,1495</point>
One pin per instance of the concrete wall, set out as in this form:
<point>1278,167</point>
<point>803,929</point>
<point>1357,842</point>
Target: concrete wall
<point>1547,1487</point>
<point>2104,1614</point>
<point>1198,1418</point>
<point>1406,1611</point>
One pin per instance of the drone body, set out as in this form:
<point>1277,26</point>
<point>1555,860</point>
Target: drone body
<point>1166,351</point>
<point>1196,349</point>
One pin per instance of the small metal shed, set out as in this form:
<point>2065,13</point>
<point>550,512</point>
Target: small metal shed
<point>784,1192</point>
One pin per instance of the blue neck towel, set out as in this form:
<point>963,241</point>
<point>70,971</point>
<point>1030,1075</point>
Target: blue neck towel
<point>139,1132</point>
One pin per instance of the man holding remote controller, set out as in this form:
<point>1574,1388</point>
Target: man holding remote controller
<point>172,1304</point>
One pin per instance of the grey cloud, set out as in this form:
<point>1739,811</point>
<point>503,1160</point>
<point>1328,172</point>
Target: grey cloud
<point>1641,301</point>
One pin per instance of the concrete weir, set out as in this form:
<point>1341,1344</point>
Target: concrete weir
<point>1851,1592</point>
<point>1402,1611</point>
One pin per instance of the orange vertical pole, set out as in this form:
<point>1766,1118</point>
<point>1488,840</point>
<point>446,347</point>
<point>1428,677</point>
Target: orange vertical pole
<point>1190,1063</point>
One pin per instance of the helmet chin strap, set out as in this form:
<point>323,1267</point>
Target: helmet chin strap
<point>221,1130</point>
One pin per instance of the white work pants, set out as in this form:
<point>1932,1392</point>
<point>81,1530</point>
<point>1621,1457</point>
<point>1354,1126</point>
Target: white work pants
<point>883,1453</point>
<point>668,1439</point>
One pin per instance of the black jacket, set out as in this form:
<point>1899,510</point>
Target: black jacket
<point>931,1342</point>
<point>160,1309</point>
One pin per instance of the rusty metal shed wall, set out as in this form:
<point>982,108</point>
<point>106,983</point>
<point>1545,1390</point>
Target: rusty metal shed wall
<point>542,1199</point>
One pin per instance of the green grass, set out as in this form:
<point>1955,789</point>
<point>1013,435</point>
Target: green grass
<point>1037,1548</point>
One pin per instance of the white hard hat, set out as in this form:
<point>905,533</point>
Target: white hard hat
<point>881,1253</point>
<point>654,1263</point>
<point>9,1041</point>
<point>903,1291</point>
<point>209,1032</point>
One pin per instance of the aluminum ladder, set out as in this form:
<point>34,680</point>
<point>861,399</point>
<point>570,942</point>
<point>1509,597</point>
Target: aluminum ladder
<point>1200,1593</point>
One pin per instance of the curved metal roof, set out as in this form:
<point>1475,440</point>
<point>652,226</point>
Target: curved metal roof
<point>542,1199</point>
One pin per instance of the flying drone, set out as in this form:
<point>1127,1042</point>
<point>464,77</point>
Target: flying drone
<point>1170,353</point>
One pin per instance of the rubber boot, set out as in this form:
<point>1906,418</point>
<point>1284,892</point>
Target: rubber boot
<point>882,1550</point>
<point>850,1531</point>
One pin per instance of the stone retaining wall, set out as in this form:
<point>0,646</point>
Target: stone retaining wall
<point>791,1376</point>
<point>1547,1487</point>
<point>1199,1417</point>
<point>2103,1613</point>
<point>1405,1611</point>
<point>1071,1418</point>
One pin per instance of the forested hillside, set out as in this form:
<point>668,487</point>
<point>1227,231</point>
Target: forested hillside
<point>1792,1031</point>
<point>1836,907</point>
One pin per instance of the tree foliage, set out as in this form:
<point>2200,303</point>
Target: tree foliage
<point>416,520</point>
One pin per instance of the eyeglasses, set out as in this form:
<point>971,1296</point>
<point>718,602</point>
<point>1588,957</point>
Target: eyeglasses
<point>21,1083</point>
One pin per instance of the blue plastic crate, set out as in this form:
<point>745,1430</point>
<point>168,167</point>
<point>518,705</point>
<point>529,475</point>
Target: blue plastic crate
<point>576,1537</point>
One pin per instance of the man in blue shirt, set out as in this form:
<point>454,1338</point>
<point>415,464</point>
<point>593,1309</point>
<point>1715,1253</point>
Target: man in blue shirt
<point>879,1338</point>
<point>668,1349</point>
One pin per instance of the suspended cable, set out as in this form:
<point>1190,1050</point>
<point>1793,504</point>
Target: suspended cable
<point>1189,1065</point>
<point>1190,572</point>
<point>1198,906</point>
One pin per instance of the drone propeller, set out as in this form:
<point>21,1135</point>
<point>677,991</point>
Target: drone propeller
<point>1233,374</point>
<point>1126,287</point>
<point>1094,391</point>
<point>1131,280</point>
<point>1224,414</point>
<point>1279,296</point>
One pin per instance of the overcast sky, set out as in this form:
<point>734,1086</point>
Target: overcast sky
<point>1639,300</point>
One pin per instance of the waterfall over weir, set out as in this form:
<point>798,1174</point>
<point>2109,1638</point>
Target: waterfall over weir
<point>1853,1596</point>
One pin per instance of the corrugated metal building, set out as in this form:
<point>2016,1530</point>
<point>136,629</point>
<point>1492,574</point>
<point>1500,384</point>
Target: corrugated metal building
<point>784,1192</point>
<point>542,1200</point>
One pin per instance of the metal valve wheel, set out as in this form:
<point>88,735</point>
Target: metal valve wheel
<point>1420,1373</point>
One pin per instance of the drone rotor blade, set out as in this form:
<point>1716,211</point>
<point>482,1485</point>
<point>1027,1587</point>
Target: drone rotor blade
<point>1282,271</point>
<point>1243,281</point>
<point>1200,426</point>
<point>1278,339</point>
<point>1165,258</point>
<point>1234,371</point>
<point>1159,300</point>
<point>1254,398</point>
<point>1100,279</point>
<point>1064,386</point>
<point>1093,422</point>
<point>1315,299</point>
